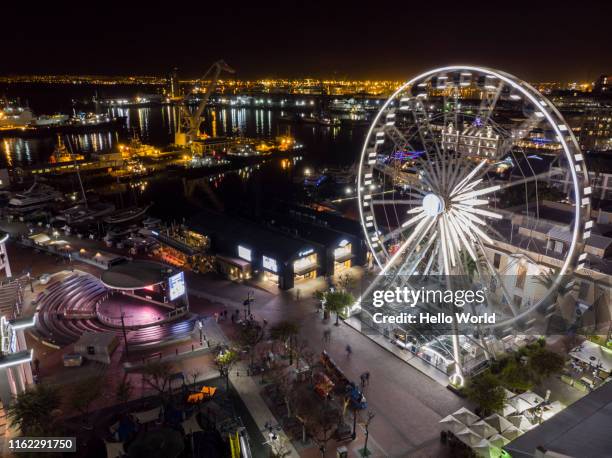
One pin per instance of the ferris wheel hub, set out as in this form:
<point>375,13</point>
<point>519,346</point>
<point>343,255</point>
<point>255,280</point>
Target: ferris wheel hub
<point>433,204</point>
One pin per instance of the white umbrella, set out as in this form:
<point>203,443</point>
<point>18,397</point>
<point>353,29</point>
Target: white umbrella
<point>465,416</point>
<point>148,415</point>
<point>468,437</point>
<point>482,448</point>
<point>520,404</point>
<point>498,440</point>
<point>531,398</point>
<point>483,429</point>
<point>452,424</point>
<point>508,409</point>
<point>498,422</point>
<point>521,422</point>
<point>114,449</point>
<point>509,394</point>
<point>512,433</point>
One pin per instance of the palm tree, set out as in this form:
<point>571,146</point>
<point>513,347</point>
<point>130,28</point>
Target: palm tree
<point>32,410</point>
<point>547,278</point>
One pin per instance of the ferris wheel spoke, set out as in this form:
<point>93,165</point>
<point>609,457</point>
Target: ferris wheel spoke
<point>433,239</point>
<point>458,230</point>
<point>397,202</point>
<point>424,225</point>
<point>528,179</point>
<point>433,256</point>
<point>467,178</point>
<point>411,262</point>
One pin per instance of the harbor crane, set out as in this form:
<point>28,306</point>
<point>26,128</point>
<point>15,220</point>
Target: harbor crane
<point>189,122</point>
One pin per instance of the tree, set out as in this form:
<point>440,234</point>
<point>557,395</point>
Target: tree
<point>194,374</point>
<point>124,391</point>
<point>32,409</point>
<point>515,376</point>
<point>486,391</point>
<point>225,360</point>
<point>337,302</point>
<point>249,336</point>
<point>285,331</point>
<point>346,282</point>
<point>543,363</point>
<point>157,375</point>
<point>85,393</point>
<point>547,277</point>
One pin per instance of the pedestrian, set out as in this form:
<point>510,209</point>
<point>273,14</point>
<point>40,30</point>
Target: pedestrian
<point>363,381</point>
<point>216,315</point>
<point>233,318</point>
<point>367,378</point>
<point>349,350</point>
<point>265,322</point>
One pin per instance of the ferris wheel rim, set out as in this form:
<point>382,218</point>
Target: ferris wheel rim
<point>550,112</point>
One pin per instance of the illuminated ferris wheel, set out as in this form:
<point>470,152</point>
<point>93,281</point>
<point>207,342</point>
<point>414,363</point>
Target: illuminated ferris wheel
<point>455,157</point>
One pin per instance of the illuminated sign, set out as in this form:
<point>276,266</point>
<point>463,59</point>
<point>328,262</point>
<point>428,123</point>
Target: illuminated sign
<point>244,253</point>
<point>176,286</point>
<point>8,337</point>
<point>270,264</point>
<point>306,252</point>
<point>344,242</point>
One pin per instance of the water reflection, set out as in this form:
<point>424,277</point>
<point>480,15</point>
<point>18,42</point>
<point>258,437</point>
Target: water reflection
<point>338,145</point>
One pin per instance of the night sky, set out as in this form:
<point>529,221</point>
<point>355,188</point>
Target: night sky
<point>537,40</point>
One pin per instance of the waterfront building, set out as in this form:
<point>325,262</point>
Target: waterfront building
<point>286,251</point>
<point>15,356</point>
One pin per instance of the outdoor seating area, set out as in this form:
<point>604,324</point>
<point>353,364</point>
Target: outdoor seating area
<point>68,308</point>
<point>195,429</point>
<point>589,366</point>
<point>465,431</point>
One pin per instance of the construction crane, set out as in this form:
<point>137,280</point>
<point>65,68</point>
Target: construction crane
<point>189,123</point>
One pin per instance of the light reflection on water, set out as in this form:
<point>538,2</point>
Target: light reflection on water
<point>156,126</point>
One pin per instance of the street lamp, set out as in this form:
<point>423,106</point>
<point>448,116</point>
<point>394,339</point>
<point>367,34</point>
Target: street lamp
<point>247,304</point>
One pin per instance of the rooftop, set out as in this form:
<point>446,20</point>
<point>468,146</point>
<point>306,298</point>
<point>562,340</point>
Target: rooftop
<point>582,429</point>
<point>135,275</point>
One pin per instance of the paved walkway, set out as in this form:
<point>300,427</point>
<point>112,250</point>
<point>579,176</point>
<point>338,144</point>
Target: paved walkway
<point>408,405</point>
<point>402,354</point>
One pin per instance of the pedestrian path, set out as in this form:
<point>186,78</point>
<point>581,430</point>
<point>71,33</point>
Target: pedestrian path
<point>400,353</point>
<point>248,390</point>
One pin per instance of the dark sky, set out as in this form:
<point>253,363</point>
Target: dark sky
<point>536,40</point>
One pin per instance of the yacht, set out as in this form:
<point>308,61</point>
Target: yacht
<point>35,198</point>
<point>82,212</point>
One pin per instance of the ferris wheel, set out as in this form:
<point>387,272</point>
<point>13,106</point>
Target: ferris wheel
<point>450,162</point>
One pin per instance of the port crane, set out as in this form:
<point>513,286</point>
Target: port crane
<point>189,122</point>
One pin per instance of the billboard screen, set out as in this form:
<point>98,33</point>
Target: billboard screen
<point>176,286</point>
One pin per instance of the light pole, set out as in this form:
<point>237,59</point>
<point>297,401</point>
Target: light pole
<point>247,304</point>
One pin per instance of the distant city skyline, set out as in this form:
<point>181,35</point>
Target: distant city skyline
<point>538,41</point>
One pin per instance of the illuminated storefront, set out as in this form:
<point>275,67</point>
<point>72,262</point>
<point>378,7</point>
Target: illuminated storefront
<point>343,256</point>
<point>306,266</point>
<point>270,268</point>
